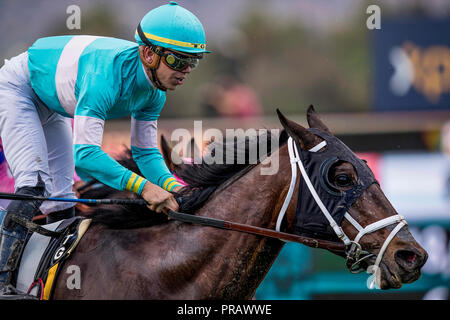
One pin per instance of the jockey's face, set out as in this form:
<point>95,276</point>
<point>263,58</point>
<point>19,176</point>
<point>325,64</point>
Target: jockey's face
<point>170,78</point>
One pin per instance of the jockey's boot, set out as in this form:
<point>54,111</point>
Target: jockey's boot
<point>60,215</point>
<point>13,236</point>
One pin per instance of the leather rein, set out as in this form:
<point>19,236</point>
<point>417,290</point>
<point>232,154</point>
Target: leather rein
<point>228,225</point>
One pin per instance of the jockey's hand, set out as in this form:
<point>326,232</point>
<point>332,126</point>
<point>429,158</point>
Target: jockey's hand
<point>158,199</point>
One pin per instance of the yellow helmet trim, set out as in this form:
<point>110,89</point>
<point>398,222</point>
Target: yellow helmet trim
<point>175,42</point>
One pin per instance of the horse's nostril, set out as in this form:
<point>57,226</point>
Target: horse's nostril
<point>407,256</point>
<point>408,259</point>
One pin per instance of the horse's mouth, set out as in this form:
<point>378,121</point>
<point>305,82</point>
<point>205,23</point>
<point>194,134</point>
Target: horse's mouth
<point>411,276</point>
<point>391,275</point>
<point>385,279</point>
<point>389,279</point>
<point>394,280</point>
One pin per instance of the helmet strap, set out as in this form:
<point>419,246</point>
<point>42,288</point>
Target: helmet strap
<point>152,66</point>
<point>156,81</point>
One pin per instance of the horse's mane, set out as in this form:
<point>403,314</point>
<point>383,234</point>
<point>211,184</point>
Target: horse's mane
<point>202,180</point>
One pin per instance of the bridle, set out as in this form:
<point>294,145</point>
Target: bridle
<point>354,252</point>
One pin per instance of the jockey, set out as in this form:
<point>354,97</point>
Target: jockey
<point>91,79</point>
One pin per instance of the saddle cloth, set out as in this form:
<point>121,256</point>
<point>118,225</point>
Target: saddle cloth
<point>44,256</point>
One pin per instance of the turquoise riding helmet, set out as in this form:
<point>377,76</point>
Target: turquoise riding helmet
<point>173,27</point>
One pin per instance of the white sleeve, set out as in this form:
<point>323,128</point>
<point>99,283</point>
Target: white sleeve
<point>144,133</point>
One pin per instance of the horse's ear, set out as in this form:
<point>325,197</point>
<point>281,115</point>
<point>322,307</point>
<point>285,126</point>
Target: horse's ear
<point>166,151</point>
<point>283,138</point>
<point>314,120</point>
<point>306,139</point>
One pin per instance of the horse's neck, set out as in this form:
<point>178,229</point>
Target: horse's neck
<point>254,199</point>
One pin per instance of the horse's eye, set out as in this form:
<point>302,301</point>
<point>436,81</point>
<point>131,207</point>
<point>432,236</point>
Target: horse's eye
<point>343,180</point>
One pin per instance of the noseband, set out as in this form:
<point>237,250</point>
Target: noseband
<point>354,252</point>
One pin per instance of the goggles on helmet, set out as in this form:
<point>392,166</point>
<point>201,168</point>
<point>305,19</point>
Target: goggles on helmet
<point>179,62</point>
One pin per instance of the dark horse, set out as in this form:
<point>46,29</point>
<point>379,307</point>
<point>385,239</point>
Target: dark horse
<point>132,253</point>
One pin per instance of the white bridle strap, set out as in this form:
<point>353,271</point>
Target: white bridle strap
<point>388,240</point>
<point>287,200</point>
<point>374,227</point>
<point>294,158</point>
<point>318,147</point>
<point>353,222</point>
<point>336,228</point>
<point>378,225</point>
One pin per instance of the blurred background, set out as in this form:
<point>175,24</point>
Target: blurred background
<point>385,92</point>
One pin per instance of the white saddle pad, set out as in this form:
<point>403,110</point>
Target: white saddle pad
<point>31,257</point>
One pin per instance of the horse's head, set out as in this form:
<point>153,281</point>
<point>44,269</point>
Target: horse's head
<point>340,199</point>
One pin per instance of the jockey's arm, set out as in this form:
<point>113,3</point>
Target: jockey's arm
<point>92,161</point>
<point>144,148</point>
